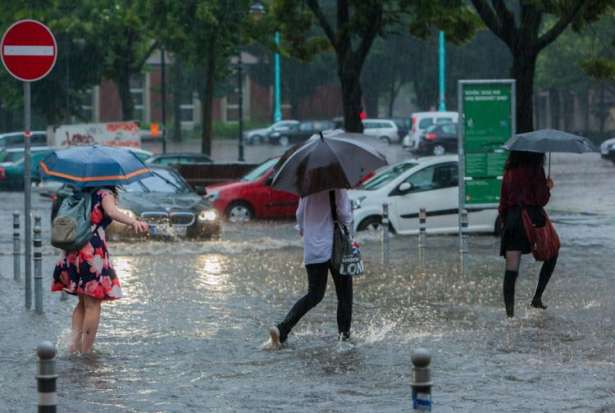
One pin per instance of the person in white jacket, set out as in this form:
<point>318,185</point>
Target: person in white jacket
<point>315,224</point>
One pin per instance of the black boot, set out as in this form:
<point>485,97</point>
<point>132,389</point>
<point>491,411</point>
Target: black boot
<point>545,276</point>
<point>510,277</point>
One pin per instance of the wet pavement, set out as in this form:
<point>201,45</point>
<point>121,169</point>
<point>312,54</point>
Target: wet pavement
<point>187,336</point>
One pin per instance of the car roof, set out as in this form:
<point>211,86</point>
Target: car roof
<point>428,160</point>
<point>378,120</point>
<point>435,114</point>
<point>172,154</point>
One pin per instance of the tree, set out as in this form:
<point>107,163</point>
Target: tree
<point>525,30</point>
<point>205,33</point>
<point>121,31</point>
<point>350,28</point>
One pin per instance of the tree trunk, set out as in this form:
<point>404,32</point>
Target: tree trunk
<point>123,88</point>
<point>393,92</point>
<point>586,110</point>
<point>351,100</point>
<point>177,94</point>
<point>207,99</point>
<point>523,68</point>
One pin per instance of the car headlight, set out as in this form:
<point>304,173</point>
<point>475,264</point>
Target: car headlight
<point>213,196</point>
<point>208,215</point>
<point>127,212</point>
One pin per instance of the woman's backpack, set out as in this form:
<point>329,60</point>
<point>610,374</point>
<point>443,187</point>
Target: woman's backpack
<point>71,227</point>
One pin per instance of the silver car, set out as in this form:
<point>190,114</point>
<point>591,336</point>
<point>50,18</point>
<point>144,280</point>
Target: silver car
<point>262,135</point>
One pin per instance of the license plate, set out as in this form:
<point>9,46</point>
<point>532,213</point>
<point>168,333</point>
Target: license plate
<point>180,231</point>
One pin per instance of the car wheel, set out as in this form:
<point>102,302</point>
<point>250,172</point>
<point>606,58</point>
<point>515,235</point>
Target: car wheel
<point>284,141</point>
<point>240,212</point>
<point>373,223</point>
<point>438,150</point>
<point>385,139</point>
<point>257,139</point>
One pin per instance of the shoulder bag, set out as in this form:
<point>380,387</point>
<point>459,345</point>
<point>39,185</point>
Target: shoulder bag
<point>345,254</point>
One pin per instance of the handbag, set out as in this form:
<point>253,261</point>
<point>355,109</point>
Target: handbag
<point>345,255</point>
<point>543,239</point>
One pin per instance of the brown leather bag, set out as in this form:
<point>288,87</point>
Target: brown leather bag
<point>543,239</point>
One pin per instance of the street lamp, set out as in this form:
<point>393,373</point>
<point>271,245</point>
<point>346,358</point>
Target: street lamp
<point>257,10</point>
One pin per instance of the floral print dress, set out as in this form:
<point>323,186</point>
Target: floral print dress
<point>89,271</point>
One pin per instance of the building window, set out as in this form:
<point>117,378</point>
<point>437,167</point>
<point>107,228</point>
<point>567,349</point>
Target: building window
<point>137,90</point>
<point>86,109</point>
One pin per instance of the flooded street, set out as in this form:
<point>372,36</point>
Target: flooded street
<point>187,335</point>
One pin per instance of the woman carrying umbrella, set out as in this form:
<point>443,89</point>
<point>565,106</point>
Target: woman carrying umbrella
<point>524,186</point>
<point>319,171</point>
<point>87,272</point>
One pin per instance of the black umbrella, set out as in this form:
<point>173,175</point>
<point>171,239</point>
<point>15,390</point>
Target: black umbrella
<point>322,163</point>
<point>549,140</point>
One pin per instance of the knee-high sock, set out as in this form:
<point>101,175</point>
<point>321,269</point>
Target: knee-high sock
<point>545,275</point>
<point>510,277</point>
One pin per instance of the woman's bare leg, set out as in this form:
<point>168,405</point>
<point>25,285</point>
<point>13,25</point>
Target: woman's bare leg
<point>77,326</point>
<point>90,323</point>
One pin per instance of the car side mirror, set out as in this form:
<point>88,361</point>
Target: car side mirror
<point>405,187</point>
<point>269,180</point>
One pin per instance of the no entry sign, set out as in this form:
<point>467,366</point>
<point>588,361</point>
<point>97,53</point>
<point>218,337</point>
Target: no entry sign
<point>28,50</point>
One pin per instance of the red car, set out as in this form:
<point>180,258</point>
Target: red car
<point>252,197</point>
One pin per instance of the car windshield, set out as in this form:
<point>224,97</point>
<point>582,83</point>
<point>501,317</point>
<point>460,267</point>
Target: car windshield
<point>259,171</point>
<point>162,181</point>
<point>386,176</point>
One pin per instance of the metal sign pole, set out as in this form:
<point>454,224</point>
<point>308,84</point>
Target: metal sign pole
<point>27,197</point>
<point>461,152</point>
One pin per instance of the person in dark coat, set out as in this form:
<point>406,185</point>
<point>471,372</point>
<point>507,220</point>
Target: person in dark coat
<point>524,186</point>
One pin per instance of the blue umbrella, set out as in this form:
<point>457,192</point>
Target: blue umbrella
<point>93,166</point>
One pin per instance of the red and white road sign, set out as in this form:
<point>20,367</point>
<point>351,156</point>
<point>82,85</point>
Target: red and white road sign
<point>28,50</point>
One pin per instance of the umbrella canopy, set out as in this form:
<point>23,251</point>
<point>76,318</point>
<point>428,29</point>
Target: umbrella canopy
<point>323,163</point>
<point>549,140</point>
<point>93,166</point>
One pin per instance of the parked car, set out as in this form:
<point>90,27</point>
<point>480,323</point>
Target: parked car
<point>300,132</point>
<point>252,197</point>
<point>262,135</point>
<point>12,166</point>
<point>142,154</point>
<point>170,159</point>
<point>16,139</point>
<point>606,147</point>
<point>167,203</point>
<point>429,183</point>
<point>384,129</point>
<point>438,139</point>
<point>423,120</point>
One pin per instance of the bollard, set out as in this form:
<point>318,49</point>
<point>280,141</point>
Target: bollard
<point>16,248</point>
<point>421,381</point>
<point>422,233</point>
<point>463,222</point>
<point>385,234</point>
<point>37,244</point>
<point>46,378</point>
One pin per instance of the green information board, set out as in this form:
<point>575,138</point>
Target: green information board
<point>487,110</point>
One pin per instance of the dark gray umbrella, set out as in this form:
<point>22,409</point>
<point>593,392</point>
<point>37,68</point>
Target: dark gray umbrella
<point>549,140</point>
<point>338,160</point>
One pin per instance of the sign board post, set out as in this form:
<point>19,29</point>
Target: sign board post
<point>487,120</point>
<point>29,51</point>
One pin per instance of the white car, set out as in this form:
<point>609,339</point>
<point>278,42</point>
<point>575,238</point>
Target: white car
<point>408,186</point>
<point>423,120</point>
<point>262,135</point>
<point>384,129</point>
<point>606,147</point>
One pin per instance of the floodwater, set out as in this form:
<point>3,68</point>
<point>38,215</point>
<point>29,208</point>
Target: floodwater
<point>187,336</point>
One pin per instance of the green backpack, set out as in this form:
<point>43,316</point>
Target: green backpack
<point>71,227</point>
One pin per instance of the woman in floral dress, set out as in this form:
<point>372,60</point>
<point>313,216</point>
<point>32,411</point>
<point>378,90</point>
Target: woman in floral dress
<point>88,273</point>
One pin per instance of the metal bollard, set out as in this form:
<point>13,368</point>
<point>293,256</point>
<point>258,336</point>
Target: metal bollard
<point>421,381</point>
<point>46,378</point>
<point>16,248</point>
<point>37,243</point>
<point>463,222</point>
<point>385,234</point>
<point>422,233</point>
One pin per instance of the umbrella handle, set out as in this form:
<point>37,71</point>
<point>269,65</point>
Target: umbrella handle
<point>549,170</point>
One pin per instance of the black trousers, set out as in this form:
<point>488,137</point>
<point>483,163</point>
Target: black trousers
<point>317,284</point>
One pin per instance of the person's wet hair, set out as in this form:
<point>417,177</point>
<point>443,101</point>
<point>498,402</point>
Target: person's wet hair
<point>518,159</point>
